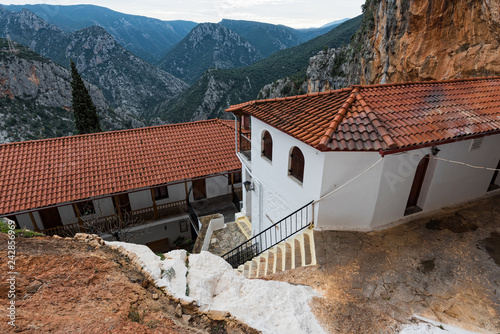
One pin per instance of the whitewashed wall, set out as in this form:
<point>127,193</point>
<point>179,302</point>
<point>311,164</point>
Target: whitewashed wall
<point>140,199</point>
<point>176,192</point>
<point>375,199</point>
<point>352,205</point>
<point>282,194</point>
<point>217,186</point>
<point>445,183</point>
<point>457,183</point>
<point>395,183</point>
<point>380,196</point>
<point>247,196</point>
<point>67,214</point>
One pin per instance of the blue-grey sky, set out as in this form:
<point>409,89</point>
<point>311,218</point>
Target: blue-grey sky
<point>292,13</point>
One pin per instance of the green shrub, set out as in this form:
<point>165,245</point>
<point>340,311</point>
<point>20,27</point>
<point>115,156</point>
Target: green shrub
<point>4,228</point>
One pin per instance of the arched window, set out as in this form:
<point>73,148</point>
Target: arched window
<point>267,146</point>
<point>296,164</point>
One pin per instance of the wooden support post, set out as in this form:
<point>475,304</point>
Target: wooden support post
<point>80,221</point>
<point>155,208</point>
<point>239,131</point>
<point>119,209</point>
<point>35,226</point>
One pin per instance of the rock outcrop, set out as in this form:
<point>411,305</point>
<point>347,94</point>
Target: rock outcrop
<point>35,97</point>
<point>426,40</point>
<point>419,40</point>
<point>327,70</point>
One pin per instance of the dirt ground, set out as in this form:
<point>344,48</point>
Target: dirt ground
<point>68,286</point>
<point>445,268</point>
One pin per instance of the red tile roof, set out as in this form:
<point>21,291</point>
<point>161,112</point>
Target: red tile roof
<point>52,171</point>
<point>383,117</point>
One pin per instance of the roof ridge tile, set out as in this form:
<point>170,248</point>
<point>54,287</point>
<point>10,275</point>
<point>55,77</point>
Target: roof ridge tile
<point>339,116</point>
<point>376,122</point>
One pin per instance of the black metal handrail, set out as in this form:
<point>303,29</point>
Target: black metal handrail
<point>236,199</point>
<point>193,218</point>
<point>270,237</point>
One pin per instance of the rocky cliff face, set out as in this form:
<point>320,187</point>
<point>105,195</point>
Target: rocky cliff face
<point>35,97</point>
<point>417,40</point>
<point>427,40</point>
<point>33,32</point>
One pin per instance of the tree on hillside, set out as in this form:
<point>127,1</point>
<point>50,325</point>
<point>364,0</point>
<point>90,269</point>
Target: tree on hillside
<point>84,110</point>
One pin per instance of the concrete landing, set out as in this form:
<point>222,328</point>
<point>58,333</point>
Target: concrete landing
<point>445,268</point>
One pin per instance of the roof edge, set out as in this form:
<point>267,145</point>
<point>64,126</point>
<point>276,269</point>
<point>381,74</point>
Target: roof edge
<point>436,143</point>
<point>104,133</point>
<point>237,107</point>
<point>404,83</point>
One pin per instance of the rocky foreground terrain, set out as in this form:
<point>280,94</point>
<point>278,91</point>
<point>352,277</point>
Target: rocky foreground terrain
<point>69,286</point>
<point>431,275</point>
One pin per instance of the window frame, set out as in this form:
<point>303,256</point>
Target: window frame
<point>267,147</point>
<point>296,169</point>
<point>160,194</point>
<point>83,208</point>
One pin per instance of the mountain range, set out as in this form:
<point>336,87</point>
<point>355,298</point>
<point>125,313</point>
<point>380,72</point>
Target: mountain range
<point>145,37</point>
<point>129,83</point>
<point>217,89</point>
<point>105,45</point>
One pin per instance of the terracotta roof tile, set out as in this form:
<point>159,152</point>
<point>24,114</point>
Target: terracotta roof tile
<point>47,172</point>
<point>387,116</point>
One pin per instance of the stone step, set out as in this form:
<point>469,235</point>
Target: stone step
<point>293,253</point>
<point>245,226</point>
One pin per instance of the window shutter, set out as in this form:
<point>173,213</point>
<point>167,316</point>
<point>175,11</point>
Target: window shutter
<point>297,164</point>
<point>267,146</point>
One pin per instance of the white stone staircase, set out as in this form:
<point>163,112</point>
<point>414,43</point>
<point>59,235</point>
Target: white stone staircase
<point>297,251</point>
<point>244,225</point>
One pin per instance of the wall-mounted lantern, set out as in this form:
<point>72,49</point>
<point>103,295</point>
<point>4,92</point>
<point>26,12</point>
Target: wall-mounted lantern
<point>248,185</point>
<point>435,150</point>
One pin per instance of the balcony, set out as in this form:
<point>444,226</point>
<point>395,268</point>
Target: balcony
<point>101,225</point>
<point>245,144</point>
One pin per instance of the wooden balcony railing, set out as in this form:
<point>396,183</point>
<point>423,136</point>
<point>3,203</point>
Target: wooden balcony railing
<point>63,231</point>
<point>246,145</point>
<point>106,224</point>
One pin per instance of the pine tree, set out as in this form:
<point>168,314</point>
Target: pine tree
<point>84,110</point>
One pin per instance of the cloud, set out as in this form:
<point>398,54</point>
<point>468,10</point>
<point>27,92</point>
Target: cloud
<point>293,13</point>
<point>237,4</point>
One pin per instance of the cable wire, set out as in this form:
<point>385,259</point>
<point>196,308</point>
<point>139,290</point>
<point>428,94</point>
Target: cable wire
<point>348,182</point>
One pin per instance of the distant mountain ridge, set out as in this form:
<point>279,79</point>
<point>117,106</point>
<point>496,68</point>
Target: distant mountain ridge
<point>230,44</point>
<point>145,37</point>
<point>226,66</point>
<point>208,45</point>
<point>267,38</point>
<point>129,83</point>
